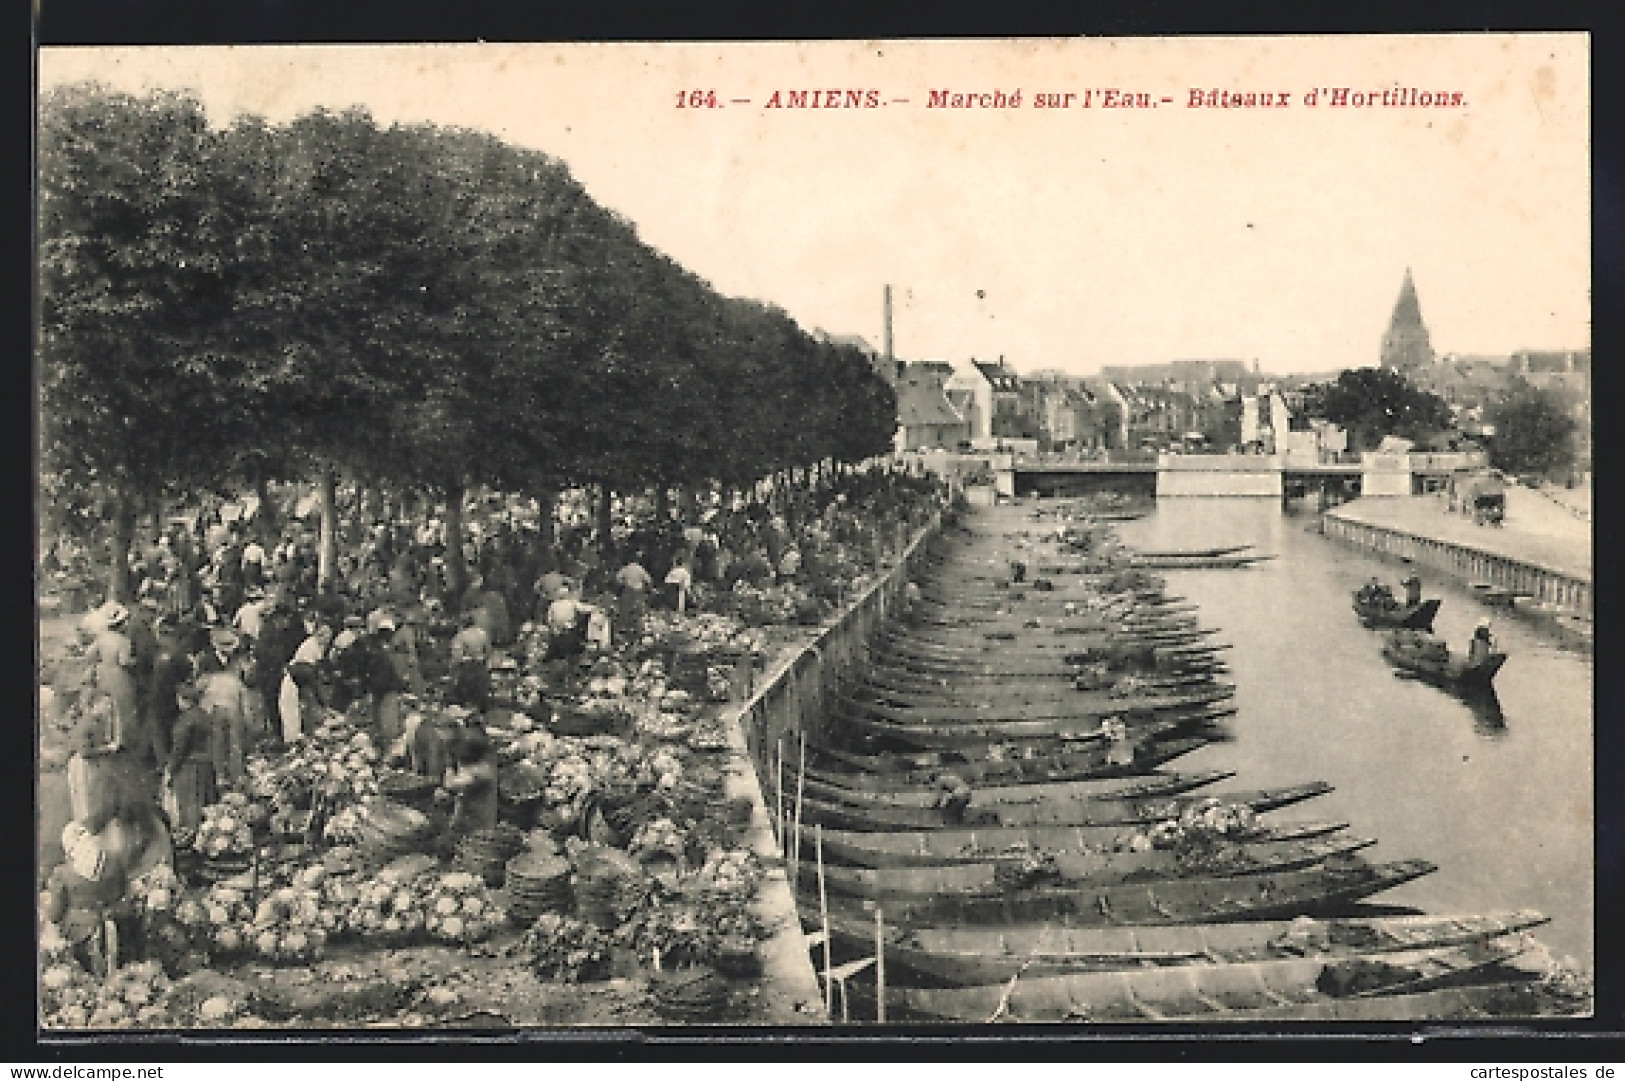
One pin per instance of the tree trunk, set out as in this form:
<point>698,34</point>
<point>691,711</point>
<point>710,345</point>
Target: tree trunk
<point>327,550</point>
<point>456,567</point>
<point>119,586</point>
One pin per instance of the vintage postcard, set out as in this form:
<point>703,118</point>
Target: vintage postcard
<point>815,533</point>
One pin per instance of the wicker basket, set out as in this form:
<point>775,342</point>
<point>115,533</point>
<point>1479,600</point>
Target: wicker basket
<point>737,958</point>
<point>408,790</point>
<point>535,886</point>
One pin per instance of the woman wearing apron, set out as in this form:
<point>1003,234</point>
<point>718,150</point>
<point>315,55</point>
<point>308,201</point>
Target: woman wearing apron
<point>296,701</point>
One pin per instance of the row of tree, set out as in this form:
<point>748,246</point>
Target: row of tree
<point>1530,431</point>
<point>415,306</point>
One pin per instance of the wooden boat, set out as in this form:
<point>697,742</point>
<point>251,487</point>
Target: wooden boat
<point>987,708</point>
<point>1083,763</point>
<point>894,688</point>
<point>974,955</point>
<point>958,734</point>
<point>1063,669</point>
<point>1415,617</point>
<point>1234,562</point>
<point>890,684</point>
<point>1518,998</point>
<point>975,644</point>
<point>1277,895</point>
<point>1076,868</point>
<point>932,848</point>
<point>1066,812</point>
<point>1191,553</point>
<point>1452,673</point>
<point>1146,786</point>
<point>927,625</point>
<point>1208,991</point>
<point>1144,748</point>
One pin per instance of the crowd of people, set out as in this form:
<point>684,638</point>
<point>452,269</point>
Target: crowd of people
<point>235,645</point>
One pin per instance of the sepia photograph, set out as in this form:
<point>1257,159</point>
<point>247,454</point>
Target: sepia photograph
<point>814,534</point>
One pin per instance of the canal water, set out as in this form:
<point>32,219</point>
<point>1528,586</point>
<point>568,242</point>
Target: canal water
<point>1503,804</point>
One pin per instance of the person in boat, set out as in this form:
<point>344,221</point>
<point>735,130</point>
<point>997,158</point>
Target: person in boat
<point>1413,591</point>
<point>1481,645</point>
<point>1377,594</point>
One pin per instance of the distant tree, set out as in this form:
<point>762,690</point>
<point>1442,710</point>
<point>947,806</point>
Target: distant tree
<point>1533,434</point>
<point>1373,403</point>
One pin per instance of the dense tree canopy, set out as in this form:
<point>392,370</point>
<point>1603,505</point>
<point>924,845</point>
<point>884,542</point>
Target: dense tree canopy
<point>1533,434</point>
<point>413,305</point>
<point>1373,403</point>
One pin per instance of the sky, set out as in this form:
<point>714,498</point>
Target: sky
<point>1057,238</point>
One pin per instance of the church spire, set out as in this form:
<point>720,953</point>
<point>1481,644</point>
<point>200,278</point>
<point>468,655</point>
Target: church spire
<point>1406,345</point>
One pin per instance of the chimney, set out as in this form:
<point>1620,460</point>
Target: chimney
<point>887,331</point>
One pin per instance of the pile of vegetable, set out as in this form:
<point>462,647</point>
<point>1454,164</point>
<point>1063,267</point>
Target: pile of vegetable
<point>225,832</point>
<point>567,949</point>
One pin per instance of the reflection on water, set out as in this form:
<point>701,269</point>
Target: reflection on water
<point>1488,719</point>
<point>1496,790</point>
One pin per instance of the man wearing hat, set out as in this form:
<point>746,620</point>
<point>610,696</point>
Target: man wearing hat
<point>386,676</point>
<point>1413,590</point>
<point>170,668</point>
<point>223,643</point>
<point>1482,643</point>
<point>223,695</point>
<point>251,616</point>
<point>349,657</point>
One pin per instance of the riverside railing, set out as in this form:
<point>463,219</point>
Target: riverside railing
<point>1562,590</point>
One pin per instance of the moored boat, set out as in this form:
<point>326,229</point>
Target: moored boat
<point>1098,812</point>
<point>1139,753</point>
<point>1147,786</point>
<point>1207,992</point>
<point>974,955</point>
<point>928,848</point>
<point>1275,895</point>
<point>1219,860</point>
<point>956,734</point>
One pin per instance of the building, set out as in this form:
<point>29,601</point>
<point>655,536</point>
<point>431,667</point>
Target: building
<point>971,393</point>
<point>1265,421</point>
<point>1405,347</point>
<point>1012,417</point>
<point>926,418</point>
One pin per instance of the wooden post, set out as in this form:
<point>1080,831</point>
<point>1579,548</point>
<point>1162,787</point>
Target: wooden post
<point>778,794</point>
<point>880,965</point>
<point>110,949</point>
<point>801,780</point>
<point>823,915</point>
